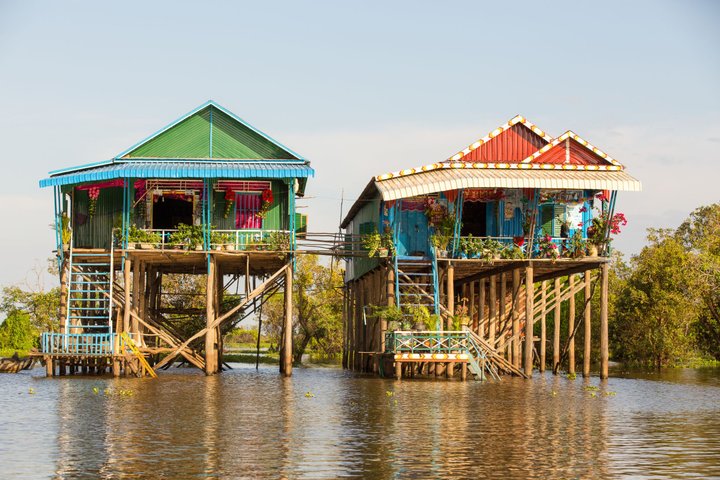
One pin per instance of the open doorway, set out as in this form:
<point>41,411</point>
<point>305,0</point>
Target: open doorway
<point>170,212</point>
<point>474,219</point>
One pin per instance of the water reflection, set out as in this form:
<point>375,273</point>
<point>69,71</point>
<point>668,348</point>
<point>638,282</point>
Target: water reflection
<point>326,423</point>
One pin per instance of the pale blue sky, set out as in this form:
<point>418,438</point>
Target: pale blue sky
<point>359,89</point>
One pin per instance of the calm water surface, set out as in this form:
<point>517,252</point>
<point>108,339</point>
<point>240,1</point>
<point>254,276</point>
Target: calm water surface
<point>326,423</point>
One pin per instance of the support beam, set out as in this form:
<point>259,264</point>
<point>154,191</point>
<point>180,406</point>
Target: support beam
<point>516,318</point>
<point>543,326</point>
<point>588,329</point>
<point>492,310</point>
<point>604,354</point>
<point>556,326</point>
<point>450,293</point>
<point>571,326</point>
<point>211,333</point>
<point>480,329</point>
<point>287,327</point>
<point>529,308</point>
<point>127,301</point>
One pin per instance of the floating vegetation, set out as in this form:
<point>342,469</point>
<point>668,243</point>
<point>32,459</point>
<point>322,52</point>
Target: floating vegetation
<point>96,390</point>
<point>309,394</point>
<point>553,393</point>
<point>593,394</point>
<point>389,393</point>
<point>571,376</point>
<point>591,388</point>
<point>31,391</point>
<point>610,394</point>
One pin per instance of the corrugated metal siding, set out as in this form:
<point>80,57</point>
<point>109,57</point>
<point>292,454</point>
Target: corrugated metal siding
<point>188,139</point>
<point>579,155</point>
<point>370,212</point>
<point>232,139</point>
<point>452,179</point>
<point>96,232</point>
<point>513,145</point>
<point>184,169</point>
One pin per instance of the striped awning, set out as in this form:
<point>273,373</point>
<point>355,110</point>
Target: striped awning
<point>182,169</point>
<point>453,179</point>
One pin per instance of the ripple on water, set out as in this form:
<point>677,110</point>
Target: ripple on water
<point>326,423</point>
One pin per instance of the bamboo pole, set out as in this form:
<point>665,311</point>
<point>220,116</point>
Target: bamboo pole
<point>529,299</point>
<point>571,326</point>
<point>287,327</point>
<point>588,331</point>
<point>502,306</point>
<point>134,326</point>
<point>556,326</point>
<point>543,326</point>
<point>471,304</point>
<point>604,354</point>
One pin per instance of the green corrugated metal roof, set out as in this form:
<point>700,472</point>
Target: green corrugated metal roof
<point>210,132</point>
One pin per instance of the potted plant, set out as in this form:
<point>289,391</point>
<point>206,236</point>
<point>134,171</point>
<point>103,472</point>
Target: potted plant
<point>577,245</point>
<point>65,233</point>
<point>189,237</point>
<point>372,242</point>
<point>219,241</point>
<point>148,240</point>
<point>492,249</point>
<point>547,248</point>
<point>392,314</point>
<point>512,252</point>
<point>278,241</point>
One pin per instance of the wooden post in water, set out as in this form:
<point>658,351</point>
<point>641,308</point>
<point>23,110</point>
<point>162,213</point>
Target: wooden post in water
<point>134,324</point>
<point>571,326</point>
<point>451,308</point>
<point>480,329</point>
<point>287,327</point>
<point>128,306</point>
<point>502,308</point>
<point>492,310</point>
<point>211,335</point>
<point>471,305</point>
<point>529,307</point>
<point>516,318</point>
<point>556,326</point>
<point>604,354</point>
<point>543,326</point>
<point>588,330</point>
<point>450,293</point>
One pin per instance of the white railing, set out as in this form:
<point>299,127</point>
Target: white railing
<point>229,240</point>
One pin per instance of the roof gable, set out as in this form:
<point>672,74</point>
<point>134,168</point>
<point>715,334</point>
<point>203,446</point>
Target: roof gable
<point>511,142</point>
<point>209,132</point>
<point>571,149</point>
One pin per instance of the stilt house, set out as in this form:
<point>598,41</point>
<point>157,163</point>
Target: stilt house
<point>208,195</point>
<point>466,256</point>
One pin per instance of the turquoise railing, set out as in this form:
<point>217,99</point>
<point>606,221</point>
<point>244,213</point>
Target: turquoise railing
<point>426,342</point>
<point>77,343</point>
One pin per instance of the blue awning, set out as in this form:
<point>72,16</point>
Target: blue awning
<point>182,169</point>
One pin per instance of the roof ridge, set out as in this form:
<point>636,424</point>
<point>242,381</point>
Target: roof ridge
<point>569,134</point>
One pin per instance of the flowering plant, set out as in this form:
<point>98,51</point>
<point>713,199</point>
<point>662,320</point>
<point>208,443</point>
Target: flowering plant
<point>229,200</point>
<point>267,201</point>
<point>547,248</point>
<point>604,223</point>
<point>93,194</point>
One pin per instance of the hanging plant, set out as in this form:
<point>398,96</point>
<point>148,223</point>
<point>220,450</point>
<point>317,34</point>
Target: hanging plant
<point>229,200</point>
<point>93,194</point>
<point>267,201</point>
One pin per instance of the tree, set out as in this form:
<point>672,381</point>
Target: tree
<point>317,309</point>
<point>655,310</point>
<point>17,333</point>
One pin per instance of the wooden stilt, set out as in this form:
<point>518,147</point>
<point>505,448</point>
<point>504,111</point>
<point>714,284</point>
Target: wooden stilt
<point>450,294</point>
<point>463,372</point>
<point>556,326</point>
<point>588,330</point>
<point>492,310</point>
<point>480,329</point>
<point>134,324</point>
<point>211,334</point>
<point>398,370</point>
<point>543,327</point>
<point>49,371</point>
<point>287,327</point>
<point>471,304</point>
<point>571,326</point>
<point>128,290</point>
<point>604,354</point>
<point>516,318</point>
<point>529,307</point>
<point>502,307</point>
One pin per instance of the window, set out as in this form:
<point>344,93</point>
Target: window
<point>247,206</point>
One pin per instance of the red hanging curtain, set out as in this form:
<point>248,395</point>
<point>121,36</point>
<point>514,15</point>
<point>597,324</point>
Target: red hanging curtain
<point>248,206</point>
<point>451,195</point>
